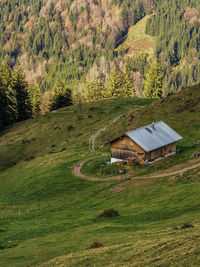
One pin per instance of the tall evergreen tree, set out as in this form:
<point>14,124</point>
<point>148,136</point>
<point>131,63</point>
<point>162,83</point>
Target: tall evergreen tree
<point>128,83</point>
<point>61,96</point>
<point>115,83</point>
<point>8,103</point>
<point>36,97</point>
<point>154,81</point>
<point>20,86</point>
<point>94,89</point>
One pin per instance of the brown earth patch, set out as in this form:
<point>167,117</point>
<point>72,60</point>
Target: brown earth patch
<point>127,185</point>
<point>140,46</point>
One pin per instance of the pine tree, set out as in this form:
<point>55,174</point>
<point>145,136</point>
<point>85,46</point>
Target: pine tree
<point>61,97</point>
<point>128,83</point>
<point>20,86</point>
<point>2,106</point>
<point>115,83</point>
<point>94,89</point>
<point>8,103</point>
<point>154,81</point>
<point>36,97</point>
<point>48,40</point>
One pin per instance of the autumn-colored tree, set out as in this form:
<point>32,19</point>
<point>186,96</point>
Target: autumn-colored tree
<point>46,102</point>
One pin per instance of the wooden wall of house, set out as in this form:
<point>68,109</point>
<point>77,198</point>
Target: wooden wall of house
<point>125,148</point>
<point>161,152</point>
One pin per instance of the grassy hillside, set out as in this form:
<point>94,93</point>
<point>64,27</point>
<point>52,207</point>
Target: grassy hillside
<point>46,212</point>
<point>137,41</point>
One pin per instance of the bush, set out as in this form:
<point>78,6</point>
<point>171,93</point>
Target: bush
<point>109,213</point>
<point>70,128</point>
<point>187,225</point>
<point>96,244</point>
<point>79,118</point>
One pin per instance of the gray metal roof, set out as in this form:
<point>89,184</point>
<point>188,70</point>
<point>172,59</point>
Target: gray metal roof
<point>154,136</point>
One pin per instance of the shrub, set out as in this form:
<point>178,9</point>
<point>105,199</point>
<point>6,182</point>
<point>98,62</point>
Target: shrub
<point>92,109</point>
<point>70,128</point>
<point>187,225</point>
<point>96,244</point>
<point>79,118</point>
<point>108,213</point>
<point>117,107</point>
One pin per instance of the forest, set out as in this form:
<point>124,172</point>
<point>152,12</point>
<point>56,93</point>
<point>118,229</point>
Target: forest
<point>72,47</point>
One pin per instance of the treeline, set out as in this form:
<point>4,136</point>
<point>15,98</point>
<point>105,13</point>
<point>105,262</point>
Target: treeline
<point>15,101</point>
<point>118,84</point>
<point>71,41</point>
<point>19,102</point>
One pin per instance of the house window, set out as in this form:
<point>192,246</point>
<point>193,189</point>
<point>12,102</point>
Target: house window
<point>159,151</point>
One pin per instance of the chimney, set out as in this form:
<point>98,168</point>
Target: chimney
<point>153,125</point>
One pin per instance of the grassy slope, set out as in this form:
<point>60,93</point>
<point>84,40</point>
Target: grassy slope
<point>137,41</point>
<point>48,212</point>
<point>40,199</point>
<point>181,111</point>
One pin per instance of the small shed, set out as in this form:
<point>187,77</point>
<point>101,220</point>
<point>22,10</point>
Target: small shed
<point>145,144</point>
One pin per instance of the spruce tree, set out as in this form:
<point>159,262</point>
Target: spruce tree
<point>154,81</point>
<point>128,83</point>
<point>2,105</point>
<point>94,89</point>
<point>61,96</point>
<point>8,103</point>
<point>36,97</point>
<point>20,86</point>
<point>115,83</point>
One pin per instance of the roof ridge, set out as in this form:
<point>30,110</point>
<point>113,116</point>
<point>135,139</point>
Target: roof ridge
<point>144,126</point>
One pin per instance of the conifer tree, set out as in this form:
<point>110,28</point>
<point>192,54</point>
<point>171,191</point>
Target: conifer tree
<point>115,83</point>
<point>61,96</point>
<point>154,81</point>
<point>128,83</point>
<point>8,103</point>
<point>94,89</point>
<point>2,105</point>
<point>36,97</point>
<point>20,86</point>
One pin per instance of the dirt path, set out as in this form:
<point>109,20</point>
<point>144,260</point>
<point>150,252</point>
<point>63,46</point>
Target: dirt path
<point>159,174</point>
<point>94,136</point>
<point>174,170</point>
<point>77,171</point>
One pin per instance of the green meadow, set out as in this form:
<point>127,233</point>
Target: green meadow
<point>47,214</point>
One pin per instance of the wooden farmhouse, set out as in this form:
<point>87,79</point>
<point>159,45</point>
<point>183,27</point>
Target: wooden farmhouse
<point>146,144</point>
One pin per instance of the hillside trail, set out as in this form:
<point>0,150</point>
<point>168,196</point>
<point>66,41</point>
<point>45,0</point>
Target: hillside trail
<point>94,136</point>
<point>174,170</point>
